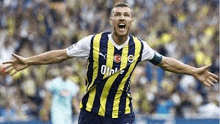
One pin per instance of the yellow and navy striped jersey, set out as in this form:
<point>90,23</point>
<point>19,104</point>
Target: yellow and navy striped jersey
<point>108,76</point>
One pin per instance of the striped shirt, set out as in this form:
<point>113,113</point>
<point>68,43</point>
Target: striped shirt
<point>108,72</point>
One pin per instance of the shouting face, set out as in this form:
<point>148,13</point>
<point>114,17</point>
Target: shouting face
<point>121,19</point>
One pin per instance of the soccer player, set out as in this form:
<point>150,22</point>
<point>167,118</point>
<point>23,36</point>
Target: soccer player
<point>63,91</point>
<point>112,57</point>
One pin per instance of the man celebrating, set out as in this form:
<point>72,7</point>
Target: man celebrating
<point>112,57</point>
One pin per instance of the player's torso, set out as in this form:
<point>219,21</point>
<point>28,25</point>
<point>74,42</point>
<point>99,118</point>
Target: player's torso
<point>108,75</point>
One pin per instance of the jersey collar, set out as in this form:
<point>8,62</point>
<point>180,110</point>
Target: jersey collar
<point>115,44</point>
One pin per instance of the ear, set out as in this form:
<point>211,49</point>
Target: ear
<point>110,20</point>
<point>132,22</point>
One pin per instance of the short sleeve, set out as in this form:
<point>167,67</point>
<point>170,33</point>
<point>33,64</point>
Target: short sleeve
<point>151,55</point>
<point>80,49</point>
<point>148,52</point>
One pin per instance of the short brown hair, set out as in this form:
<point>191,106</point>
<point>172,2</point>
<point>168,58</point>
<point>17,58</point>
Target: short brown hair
<point>121,4</point>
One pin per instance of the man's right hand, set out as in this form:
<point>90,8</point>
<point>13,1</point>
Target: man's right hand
<point>14,66</point>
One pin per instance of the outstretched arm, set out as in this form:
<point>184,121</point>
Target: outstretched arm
<point>80,49</point>
<point>54,56</point>
<point>202,73</point>
<point>20,63</point>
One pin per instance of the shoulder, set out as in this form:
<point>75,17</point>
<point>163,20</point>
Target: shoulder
<point>87,38</point>
<point>71,83</point>
<point>82,44</point>
<point>84,41</point>
<point>136,38</point>
<point>102,34</point>
<point>56,80</point>
<point>53,83</point>
<point>140,41</point>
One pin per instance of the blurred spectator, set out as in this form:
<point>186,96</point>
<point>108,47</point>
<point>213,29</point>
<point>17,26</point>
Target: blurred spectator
<point>211,109</point>
<point>63,91</point>
<point>7,49</point>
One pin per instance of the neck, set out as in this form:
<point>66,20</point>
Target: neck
<point>119,39</point>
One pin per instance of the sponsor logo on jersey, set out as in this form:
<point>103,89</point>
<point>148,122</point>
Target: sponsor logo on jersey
<point>108,71</point>
<point>117,58</point>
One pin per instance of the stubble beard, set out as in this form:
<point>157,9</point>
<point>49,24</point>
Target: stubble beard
<point>121,38</point>
<point>118,34</point>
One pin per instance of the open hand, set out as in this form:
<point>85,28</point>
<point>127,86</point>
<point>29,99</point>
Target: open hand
<point>13,66</point>
<point>204,76</point>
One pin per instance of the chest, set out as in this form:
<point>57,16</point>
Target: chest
<point>63,86</point>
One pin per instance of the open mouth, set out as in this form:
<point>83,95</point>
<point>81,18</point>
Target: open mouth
<point>121,26</point>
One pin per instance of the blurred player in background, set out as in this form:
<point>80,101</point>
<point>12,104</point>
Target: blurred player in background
<point>63,92</point>
<point>112,57</point>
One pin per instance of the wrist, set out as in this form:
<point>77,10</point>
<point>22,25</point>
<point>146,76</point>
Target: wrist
<point>193,72</point>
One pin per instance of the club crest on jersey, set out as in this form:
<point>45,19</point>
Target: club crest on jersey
<point>117,58</point>
<point>130,58</point>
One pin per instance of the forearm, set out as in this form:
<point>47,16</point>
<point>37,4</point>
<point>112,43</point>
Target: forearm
<point>46,103</point>
<point>46,107</point>
<point>173,65</point>
<point>54,56</point>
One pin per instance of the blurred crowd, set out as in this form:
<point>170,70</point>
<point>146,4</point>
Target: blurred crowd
<point>187,30</point>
